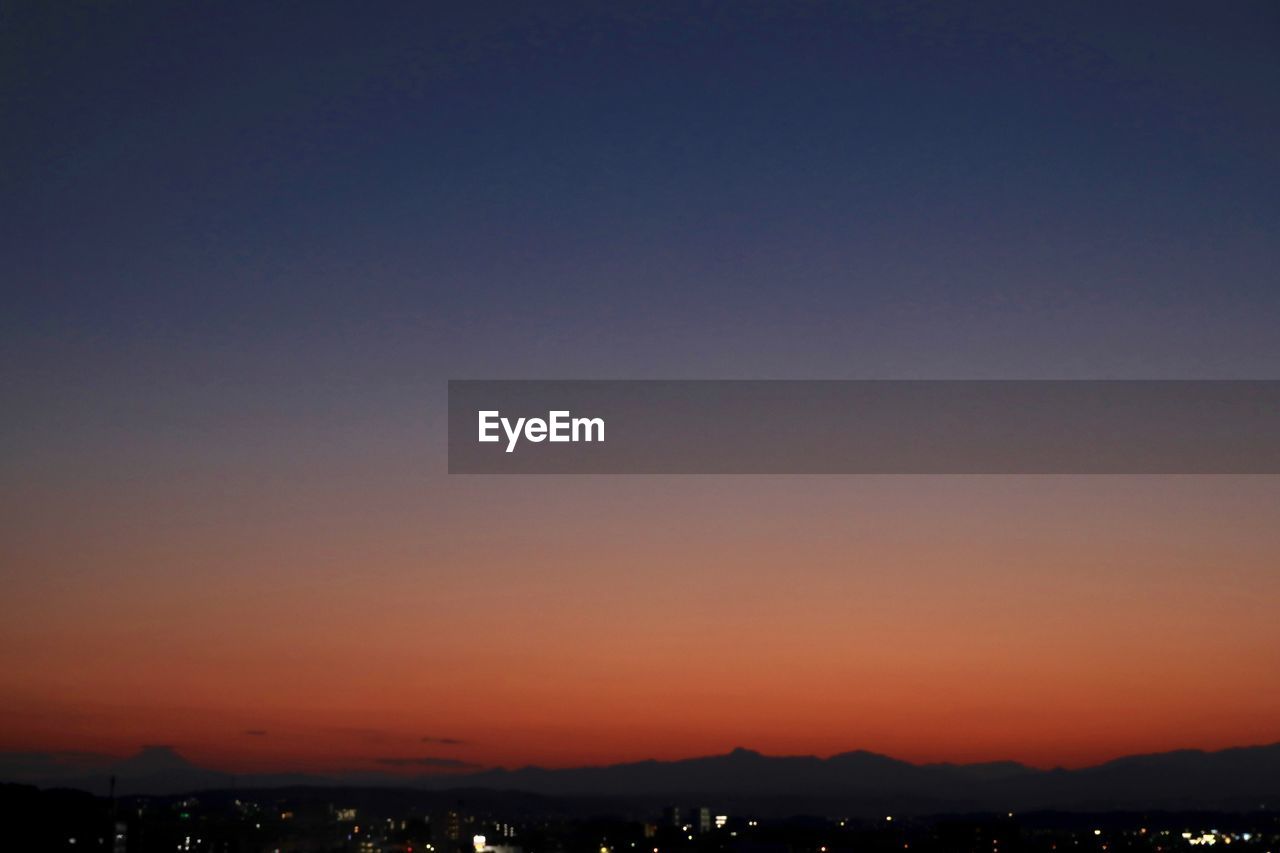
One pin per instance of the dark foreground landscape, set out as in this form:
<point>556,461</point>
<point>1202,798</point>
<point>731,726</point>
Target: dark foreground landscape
<point>742,802</point>
<point>377,820</point>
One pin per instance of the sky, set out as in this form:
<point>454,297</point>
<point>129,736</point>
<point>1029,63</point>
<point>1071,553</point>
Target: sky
<point>246,245</point>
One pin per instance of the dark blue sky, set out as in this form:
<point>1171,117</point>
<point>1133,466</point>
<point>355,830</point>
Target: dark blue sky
<point>746,189</point>
<point>311,211</point>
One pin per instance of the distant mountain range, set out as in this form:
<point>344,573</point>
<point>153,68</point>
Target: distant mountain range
<point>852,783</point>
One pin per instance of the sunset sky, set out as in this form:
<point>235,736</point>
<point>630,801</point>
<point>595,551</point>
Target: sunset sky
<point>246,245</point>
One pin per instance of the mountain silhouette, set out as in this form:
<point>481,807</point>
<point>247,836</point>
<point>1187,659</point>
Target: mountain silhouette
<point>1234,778</point>
<point>152,760</point>
<point>851,783</point>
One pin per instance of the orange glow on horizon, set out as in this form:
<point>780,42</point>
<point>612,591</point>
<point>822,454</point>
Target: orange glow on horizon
<point>1054,621</point>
